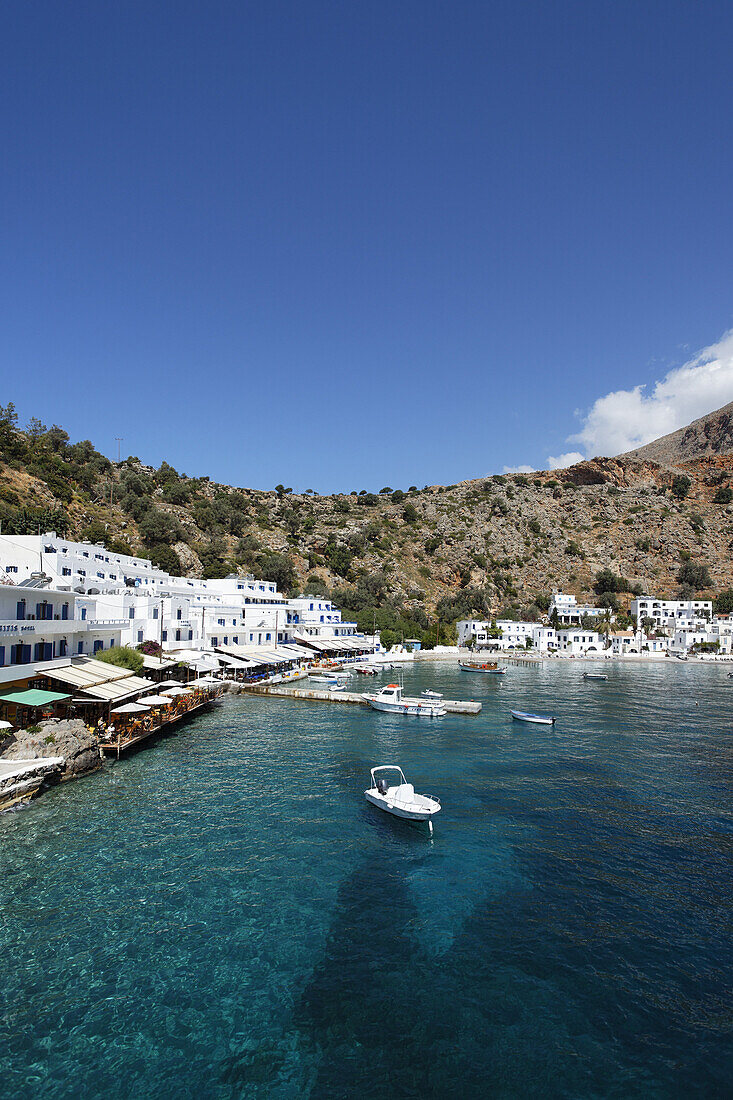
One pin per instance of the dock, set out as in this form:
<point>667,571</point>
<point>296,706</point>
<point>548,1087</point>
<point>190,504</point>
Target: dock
<point>123,744</point>
<point>453,706</point>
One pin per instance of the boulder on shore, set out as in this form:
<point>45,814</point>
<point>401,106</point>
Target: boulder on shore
<point>68,738</point>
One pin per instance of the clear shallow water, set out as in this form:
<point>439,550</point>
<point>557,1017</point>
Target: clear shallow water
<point>224,915</point>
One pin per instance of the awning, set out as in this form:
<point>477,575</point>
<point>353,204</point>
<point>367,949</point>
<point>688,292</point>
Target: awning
<point>236,662</point>
<point>157,664</point>
<point>33,697</point>
<point>315,643</point>
<point>88,673</point>
<point>120,689</point>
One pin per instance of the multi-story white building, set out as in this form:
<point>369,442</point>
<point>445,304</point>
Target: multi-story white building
<point>514,634</point>
<point>315,616</point>
<point>576,641</point>
<point>39,628</point>
<point>672,613</point>
<point>569,611</point>
<point>177,612</point>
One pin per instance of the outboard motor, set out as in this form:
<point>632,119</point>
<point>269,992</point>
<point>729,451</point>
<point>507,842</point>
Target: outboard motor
<point>382,785</point>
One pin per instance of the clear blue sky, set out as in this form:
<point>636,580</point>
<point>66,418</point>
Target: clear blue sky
<point>349,245</point>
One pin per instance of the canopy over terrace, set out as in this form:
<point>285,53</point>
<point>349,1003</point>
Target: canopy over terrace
<point>33,699</point>
<point>98,682</point>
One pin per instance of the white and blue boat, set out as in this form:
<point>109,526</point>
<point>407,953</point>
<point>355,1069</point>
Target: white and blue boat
<point>538,719</point>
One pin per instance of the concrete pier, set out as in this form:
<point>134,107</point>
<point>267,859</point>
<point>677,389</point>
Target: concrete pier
<point>453,706</point>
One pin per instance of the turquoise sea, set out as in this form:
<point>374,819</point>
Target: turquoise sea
<point>224,915</point>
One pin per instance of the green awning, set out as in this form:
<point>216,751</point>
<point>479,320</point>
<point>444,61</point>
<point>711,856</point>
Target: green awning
<point>33,697</point>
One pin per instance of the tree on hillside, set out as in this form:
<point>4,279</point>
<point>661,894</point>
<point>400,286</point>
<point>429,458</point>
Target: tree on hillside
<point>696,576</point>
<point>680,486</point>
<point>723,604</point>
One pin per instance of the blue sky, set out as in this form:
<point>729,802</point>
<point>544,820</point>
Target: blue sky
<point>350,245</point>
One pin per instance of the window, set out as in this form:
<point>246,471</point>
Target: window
<point>190,635</point>
<point>179,614</point>
<point>20,609</point>
<point>83,612</point>
<point>178,635</point>
<point>164,635</point>
<point>65,572</point>
<point>268,637</point>
<point>80,647</point>
<point>2,655</point>
<point>214,641</point>
<point>98,645</point>
<point>139,635</point>
<point>155,612</point>
<point>131,613</point>
<point>64,611</point>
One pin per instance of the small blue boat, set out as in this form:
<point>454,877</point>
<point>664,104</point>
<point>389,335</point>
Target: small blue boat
<point>538,719</point>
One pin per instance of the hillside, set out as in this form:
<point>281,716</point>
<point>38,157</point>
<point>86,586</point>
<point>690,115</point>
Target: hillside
<point>496,545</point>
<point>710,435</point>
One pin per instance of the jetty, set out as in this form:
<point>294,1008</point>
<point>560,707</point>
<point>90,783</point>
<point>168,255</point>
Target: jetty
<point>352,698</point>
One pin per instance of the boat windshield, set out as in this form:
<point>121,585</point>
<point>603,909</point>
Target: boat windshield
<point>392,773</point>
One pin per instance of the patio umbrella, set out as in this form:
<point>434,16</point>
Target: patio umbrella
<point>177,691</point>
<point>6,725</point>
<point>168,684</point>
<point>131,708</point>
<point>205,681</point>
<point>157,701</point>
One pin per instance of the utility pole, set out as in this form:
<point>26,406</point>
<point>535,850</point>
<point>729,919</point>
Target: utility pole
<point>119,439</point>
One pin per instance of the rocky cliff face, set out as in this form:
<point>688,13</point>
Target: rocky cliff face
<point>710,435</point>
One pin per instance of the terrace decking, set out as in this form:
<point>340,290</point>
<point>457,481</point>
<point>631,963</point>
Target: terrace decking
<point>453,706</point>
<point>123,744</point>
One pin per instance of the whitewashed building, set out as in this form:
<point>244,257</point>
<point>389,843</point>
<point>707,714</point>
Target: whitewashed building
<point>672,614</point>
<point>569,611</point>
<point>316,617</point>
<point>39,629</point>
<point>575,642</point>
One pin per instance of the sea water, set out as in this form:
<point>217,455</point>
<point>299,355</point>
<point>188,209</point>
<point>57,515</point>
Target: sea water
<point>224,915</point>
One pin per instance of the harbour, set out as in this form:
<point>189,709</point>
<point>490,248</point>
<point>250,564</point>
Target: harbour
<point>567,865</point>
<point>350,698</point>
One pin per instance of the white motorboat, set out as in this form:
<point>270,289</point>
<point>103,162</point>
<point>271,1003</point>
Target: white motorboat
<point>427,694</point>
<point>328,678</point>
<point>391,699</point>
<point>399,798</point>
<point>366,670</point>
<point>594,676</point>
<point>538,719</point>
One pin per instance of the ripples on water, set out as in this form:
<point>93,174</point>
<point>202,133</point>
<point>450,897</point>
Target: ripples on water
<point>224,915</point>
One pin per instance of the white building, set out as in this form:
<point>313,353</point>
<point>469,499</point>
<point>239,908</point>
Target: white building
<point>719,632</point>
<point>569,611</point>
<point>315,616</point>
<point>576,641</point>
<point>177,612</point>
<point>672,614</point>
<point>514,634</point>
<point>39,629</point>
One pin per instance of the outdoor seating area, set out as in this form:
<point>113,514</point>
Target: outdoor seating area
<point>135,721</point>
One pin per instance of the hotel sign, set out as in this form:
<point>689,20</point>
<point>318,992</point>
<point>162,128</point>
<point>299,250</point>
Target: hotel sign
<point>11,628</point>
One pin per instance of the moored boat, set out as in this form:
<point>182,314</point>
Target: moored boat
<point>399,798</point>
<point>594,676</point>
<point>391,700</point>
<point>538,719</point>
<point>491,667</point>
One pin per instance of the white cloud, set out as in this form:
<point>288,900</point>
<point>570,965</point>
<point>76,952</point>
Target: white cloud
<point>561,462</point>
<point>626,419</point>
<point>518,470</point>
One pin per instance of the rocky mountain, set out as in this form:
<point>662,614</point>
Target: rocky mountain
<point>710,435</point>
<point>412,557</point>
